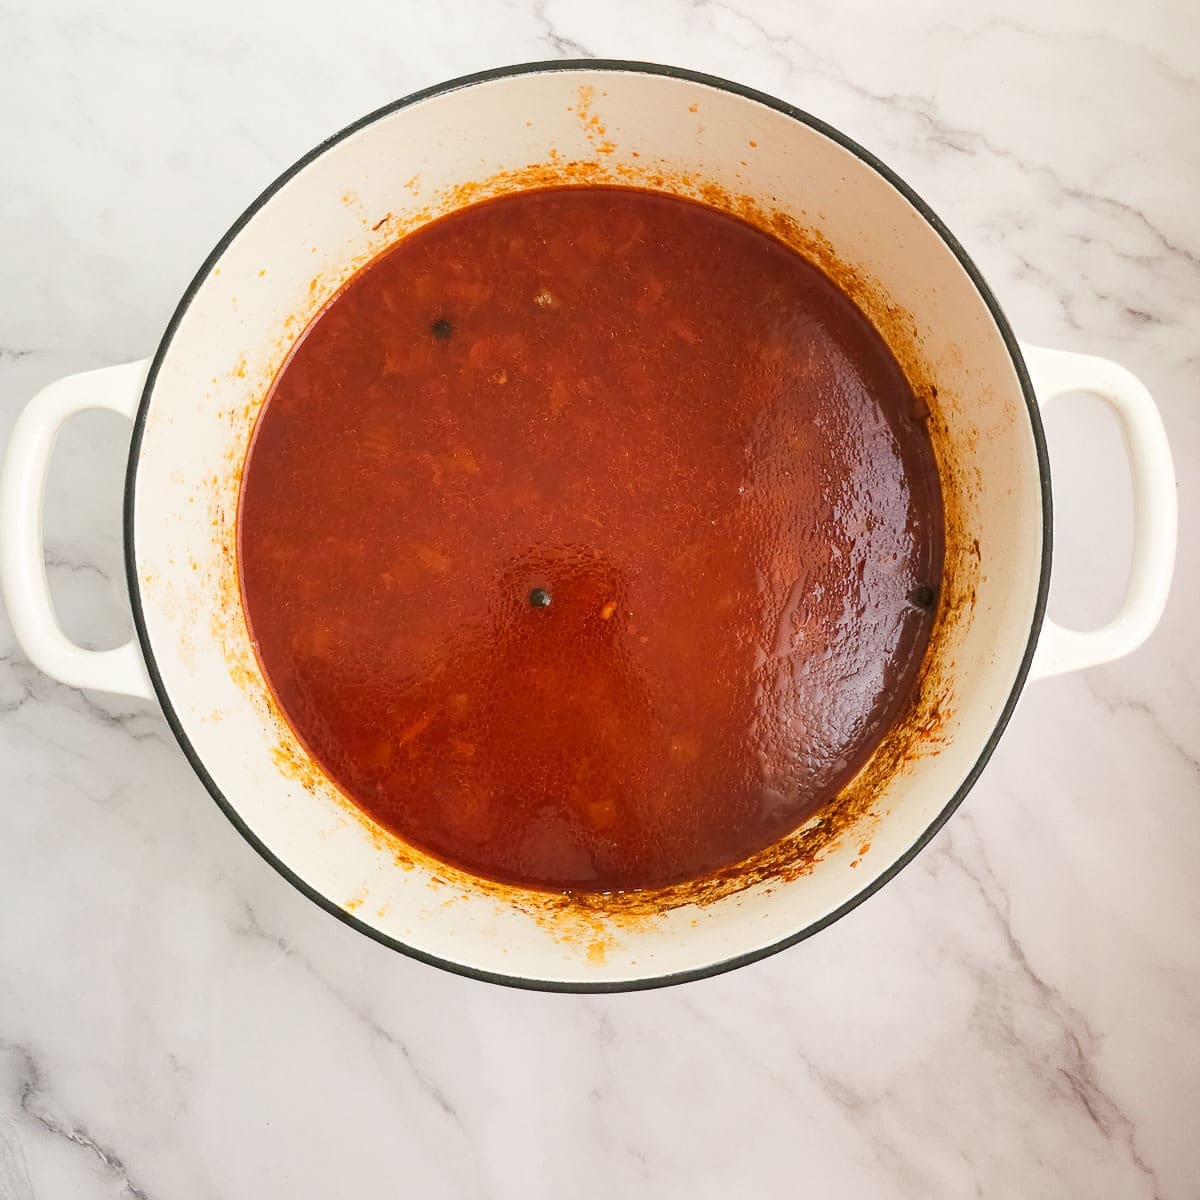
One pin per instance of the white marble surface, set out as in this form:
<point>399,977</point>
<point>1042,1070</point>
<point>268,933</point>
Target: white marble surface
<point>1017,1014</point>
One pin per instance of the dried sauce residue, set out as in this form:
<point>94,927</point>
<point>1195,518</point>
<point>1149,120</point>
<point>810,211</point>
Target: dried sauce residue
<point>593,128</point>
<point>588,920</point>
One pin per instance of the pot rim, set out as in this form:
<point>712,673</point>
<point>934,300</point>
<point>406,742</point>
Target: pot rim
<point>745,93</point>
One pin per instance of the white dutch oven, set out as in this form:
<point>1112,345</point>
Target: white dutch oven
<point>193,406</point>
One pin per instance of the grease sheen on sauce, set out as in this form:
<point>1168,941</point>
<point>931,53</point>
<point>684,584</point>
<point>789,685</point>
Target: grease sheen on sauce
<point>678,431</point>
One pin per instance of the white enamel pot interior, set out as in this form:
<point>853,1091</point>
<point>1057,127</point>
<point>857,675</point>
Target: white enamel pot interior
<point>338,207</point>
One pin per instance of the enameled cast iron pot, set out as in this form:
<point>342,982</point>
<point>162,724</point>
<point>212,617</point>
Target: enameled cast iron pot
<point>193,406</point>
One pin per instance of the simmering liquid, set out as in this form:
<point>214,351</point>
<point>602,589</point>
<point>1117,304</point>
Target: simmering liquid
<point>590,539</point>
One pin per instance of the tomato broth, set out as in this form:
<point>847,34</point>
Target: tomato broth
<point>590,539</point>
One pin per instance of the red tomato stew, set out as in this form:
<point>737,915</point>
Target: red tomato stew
<point>590,539</point>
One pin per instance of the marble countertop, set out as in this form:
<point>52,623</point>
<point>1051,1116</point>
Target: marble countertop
<point>1017,1014</point>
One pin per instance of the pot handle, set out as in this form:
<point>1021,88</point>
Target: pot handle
<point>1155,509</point>
<point>22,563</point>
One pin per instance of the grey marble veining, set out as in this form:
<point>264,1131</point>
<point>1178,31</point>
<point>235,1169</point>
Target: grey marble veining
<point>1017,1014</point>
